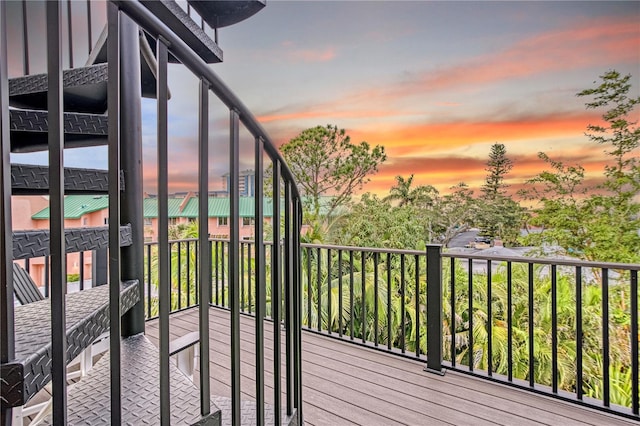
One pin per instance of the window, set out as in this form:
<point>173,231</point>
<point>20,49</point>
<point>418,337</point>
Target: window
<point>85,221</point>
<point>106,220</point>
<point>173,221</point>
<point>147,221</point>
<point>248,221</point>
<point>223,221</point>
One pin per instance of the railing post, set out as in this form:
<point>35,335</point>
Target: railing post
<point>7,331</point>
<point>434,309</point>
<point>131,211</point>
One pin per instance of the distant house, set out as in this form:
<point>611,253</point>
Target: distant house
<point>32,212</point>
<point>185,210</point>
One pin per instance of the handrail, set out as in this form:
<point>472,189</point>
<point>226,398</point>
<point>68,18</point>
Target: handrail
<point>184,54</point>
<point>495,258</point>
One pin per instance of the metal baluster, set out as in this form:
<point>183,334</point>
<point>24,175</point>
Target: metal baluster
<point>222,243</point>
<point>375,298</point>
<point>351,294</point>
<point>417,297</point>
<point>319,288</point>
<point>297,326</point>
<point>364,296</point>
<point>196,269</point>
<point>470,314</point>
<point>81,269</point>
<point>579,337</point>
<point>554,330</point>
<point>188,255</point>
<point>309,290</point>
<point>531,328</point>
<point>635,406</point>
<point>402,309</point>
<point>217,277</point>
<point>329,295</point>
<point>289,299</point>
<point>149,280</point>
<point>56,208</point>
<point>509,322</point>
<point>259,279</point>
<point>89,31</point>
<point>164,260</point>
<point>276,271</point>
<point>452,296</point>
<point>241,277</point>
<point>211,265</point>
<point>340,307</point>
<point>489,322</point>
<point>205,250</point>
<point>605,337</point>
<point>47,276</point>
<point>179,272</point>
<point>25,39</point>
<point>249,271</point>
<point>69,26</point>
<point>234,259</point>
<point>389,290</point>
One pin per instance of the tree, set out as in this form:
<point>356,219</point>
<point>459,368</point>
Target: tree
<point>403,193</point>
<point>598,222</point>
<point>498,166</point>
<point>499,216</point>
<point>326,163</point>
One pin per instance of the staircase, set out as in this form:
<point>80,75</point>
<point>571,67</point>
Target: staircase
<point>135,383</point>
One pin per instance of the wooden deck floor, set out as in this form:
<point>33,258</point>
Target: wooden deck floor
<point>348,384</point>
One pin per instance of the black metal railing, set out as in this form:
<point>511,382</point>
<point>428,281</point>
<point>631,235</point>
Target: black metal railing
<point>183,271</point>
<point>122,19</point>
<point>289,217</point>
<point>564,328</point>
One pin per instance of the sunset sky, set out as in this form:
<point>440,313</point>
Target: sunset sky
<point>435,83</point>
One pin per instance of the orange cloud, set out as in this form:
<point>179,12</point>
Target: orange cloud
<point>445,171</point>
<point>404,139</point>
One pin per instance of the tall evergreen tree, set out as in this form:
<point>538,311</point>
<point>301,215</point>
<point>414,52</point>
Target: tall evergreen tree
<point>498,166</point>
<point>499,216</point>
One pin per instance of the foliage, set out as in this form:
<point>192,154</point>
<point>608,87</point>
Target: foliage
<point>326,163</point>
<point>423,216</point>
<point>595,222</point>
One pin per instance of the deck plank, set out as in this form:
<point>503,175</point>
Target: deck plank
<point>349,384</point>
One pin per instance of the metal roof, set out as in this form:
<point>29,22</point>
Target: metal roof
<point>76,206</point>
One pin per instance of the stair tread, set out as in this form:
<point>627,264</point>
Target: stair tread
<point>27,179</point>
<point>225,13</point>
<point>85,90</point>
<point>35,243</point>
<point>88,400</point>
<point>29,130</point>
<point>186,28</point>
<point>87,317</point>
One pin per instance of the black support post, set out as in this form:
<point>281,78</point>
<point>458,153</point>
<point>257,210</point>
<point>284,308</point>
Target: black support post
<point>434,309</point>
<point>56,208</point>
<point>132,257</point>
<point>205,247</point>
<point>7,329</point>
<point>113,57</point>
